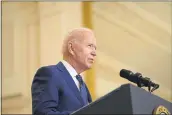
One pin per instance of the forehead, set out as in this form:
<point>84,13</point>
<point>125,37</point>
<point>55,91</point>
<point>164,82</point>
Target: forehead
<point>88,37</point>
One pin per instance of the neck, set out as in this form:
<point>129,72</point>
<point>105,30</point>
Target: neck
<point>74,64</point>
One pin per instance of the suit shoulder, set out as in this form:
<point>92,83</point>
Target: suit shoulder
<point>43,75</point>
<point>46,68</point>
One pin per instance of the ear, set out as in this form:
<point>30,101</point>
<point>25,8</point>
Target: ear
<point>70,48</point>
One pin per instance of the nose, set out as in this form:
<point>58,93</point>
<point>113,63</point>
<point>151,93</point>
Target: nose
<point>93,53</point>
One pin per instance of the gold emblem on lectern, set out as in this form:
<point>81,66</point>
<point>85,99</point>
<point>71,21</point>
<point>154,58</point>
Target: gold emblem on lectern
<point>161,110</point>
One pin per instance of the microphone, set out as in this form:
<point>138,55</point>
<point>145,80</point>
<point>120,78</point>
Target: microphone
<point>138,79</point>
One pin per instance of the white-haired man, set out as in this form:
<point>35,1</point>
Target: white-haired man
<point>59,89</point>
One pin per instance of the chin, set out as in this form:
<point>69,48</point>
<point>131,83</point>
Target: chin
<point>89,66</point>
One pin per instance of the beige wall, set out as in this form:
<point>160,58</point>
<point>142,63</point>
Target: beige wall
<point>0,59</point>
<point>136,37</point>
<point>32,37</point>
<point>129,35</point>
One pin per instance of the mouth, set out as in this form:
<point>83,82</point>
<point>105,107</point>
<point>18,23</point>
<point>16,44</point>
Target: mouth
<point>92,60</point>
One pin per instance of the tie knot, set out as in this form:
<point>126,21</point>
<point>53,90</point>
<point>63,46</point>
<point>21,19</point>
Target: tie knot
<point>79,78</point>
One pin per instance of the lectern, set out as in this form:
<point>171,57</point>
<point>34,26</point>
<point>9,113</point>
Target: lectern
<point>127,99</point>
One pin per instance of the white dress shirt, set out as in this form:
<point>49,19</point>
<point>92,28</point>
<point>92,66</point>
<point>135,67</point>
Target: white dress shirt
<point>72,72</point>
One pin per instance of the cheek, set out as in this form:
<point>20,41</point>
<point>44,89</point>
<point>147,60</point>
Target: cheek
<point>87,55</point>
<point>83,54</point>
<point>80,55</point>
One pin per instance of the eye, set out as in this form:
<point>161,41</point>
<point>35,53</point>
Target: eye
<point>90,45</point>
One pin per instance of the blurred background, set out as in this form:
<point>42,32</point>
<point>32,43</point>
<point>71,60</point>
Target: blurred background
<point>130,35</point>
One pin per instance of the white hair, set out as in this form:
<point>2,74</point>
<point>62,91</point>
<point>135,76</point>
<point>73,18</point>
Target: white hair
<point>73,34</point>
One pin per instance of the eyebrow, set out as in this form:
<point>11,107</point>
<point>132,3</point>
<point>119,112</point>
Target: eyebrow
<point>93,45</point>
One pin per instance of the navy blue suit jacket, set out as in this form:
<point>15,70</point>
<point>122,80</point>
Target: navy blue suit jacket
<point>55,92</point>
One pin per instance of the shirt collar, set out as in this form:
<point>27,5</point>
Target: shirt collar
<point>69,68</point>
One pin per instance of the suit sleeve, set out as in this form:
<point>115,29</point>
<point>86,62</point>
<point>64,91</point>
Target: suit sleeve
<point>45,94</point>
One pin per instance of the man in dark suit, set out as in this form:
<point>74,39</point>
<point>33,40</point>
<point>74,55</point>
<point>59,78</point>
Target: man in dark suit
<point>59,89</point>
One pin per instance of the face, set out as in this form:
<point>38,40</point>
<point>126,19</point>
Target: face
<point>84,51</point>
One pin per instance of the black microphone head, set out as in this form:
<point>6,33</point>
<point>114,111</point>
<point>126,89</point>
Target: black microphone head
<point>125,73</point>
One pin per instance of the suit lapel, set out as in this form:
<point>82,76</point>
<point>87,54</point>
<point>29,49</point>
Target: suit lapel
<point>89,95</point>
<point>70,81</point>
